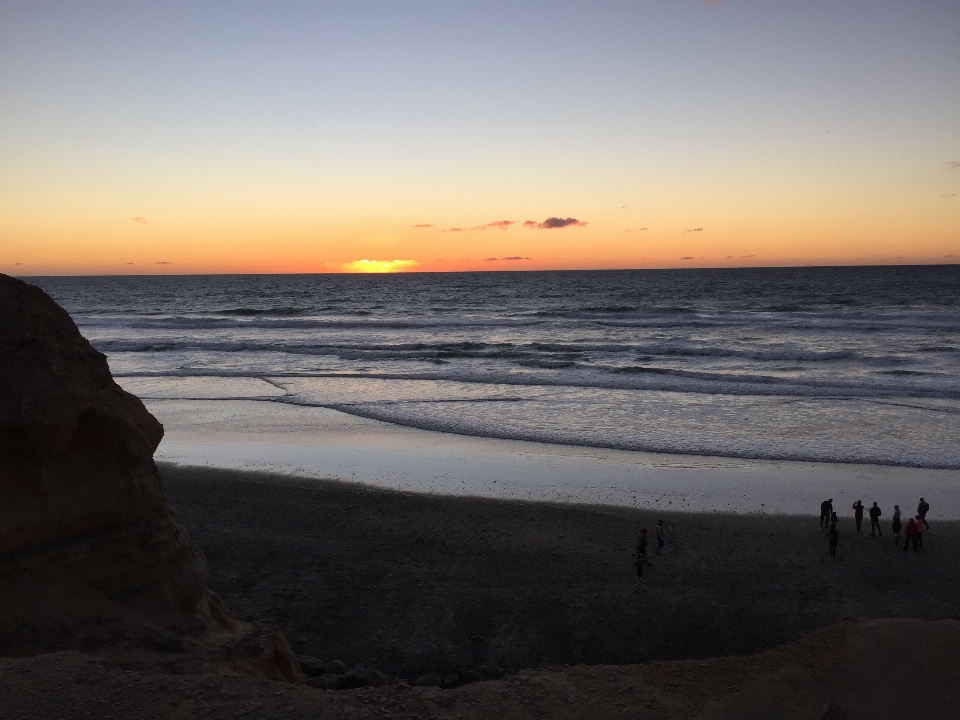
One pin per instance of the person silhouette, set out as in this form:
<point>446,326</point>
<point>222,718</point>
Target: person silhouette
<point>826,507</point>
<point>858,513</point>
<point>910,535</point>
<point>875,520</point>
<point>895,525</point>
<point>922,509</point>
<point>834,536</point>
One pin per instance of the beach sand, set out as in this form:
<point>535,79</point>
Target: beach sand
<point>876,670</point>
<point>410,583</point>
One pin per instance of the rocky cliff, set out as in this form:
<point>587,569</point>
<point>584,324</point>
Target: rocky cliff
<point>91,556</point>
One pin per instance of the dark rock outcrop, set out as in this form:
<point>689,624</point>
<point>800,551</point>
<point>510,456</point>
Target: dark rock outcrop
<point>91,556</point>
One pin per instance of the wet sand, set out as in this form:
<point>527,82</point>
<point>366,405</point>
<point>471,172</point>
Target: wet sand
<point>412,583</point>
<point>312,442</point>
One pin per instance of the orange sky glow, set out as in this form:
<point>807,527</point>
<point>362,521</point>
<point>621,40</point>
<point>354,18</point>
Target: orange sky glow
<point>303,138</point>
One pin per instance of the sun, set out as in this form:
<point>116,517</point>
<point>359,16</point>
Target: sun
<point>379,266</point>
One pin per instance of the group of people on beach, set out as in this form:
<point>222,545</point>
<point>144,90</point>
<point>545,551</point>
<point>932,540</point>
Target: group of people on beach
<point>913,531</point>
<point>640,555</point>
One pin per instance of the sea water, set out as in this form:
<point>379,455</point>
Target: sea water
<point>852,365</point>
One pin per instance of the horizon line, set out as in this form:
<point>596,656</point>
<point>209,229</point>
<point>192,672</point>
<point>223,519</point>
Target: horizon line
<point>505,271</point>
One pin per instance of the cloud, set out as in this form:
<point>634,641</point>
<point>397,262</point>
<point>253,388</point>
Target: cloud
<point>141,220</point>
<point>422,225</point>
<point>949,195</point>
<point>747,256</point>
<point>686,257</point>
<point>554,223</point>
<point>635,229</point>
<point>18,263</point>
<point>953,163</point>
<point>162,262</point>
<point>501,224</point>
<point>129,263</point>
<point>512,257</point>
<point>696,229</point>
<point>456,229</point>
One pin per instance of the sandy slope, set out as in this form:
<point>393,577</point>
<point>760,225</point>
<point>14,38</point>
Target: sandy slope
<point>873,669</point>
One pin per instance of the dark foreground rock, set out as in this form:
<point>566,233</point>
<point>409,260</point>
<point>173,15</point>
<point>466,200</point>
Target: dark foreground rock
<point>91,556</point>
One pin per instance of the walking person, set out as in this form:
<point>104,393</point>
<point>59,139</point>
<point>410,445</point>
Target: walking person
<point>918,535</point>
<point>895,525</point>
<point>834,536</point>
<point>826,507</point>
<point>910,533</point>
<point>660,541</point>
<point>858,513</point>
<point>875,520</point>
<point>922,510</point>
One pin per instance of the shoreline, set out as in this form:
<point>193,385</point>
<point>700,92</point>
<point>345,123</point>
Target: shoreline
<point>413,583</point>
<point>311,442</point>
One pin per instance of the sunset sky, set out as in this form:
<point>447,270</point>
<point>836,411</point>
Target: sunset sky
<point>184,137</point>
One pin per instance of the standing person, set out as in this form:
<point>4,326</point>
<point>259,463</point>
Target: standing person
<point>834,536</point>
<point>875,520</point>
<point>910,532</point>
<point>639,557</point>
<point>922,510</point>
<point>826,507</point>
<point>642,546</point>
<point>896,525</point>
<point>660,540</point>
<point>918,535</point>
<point>858,513</point>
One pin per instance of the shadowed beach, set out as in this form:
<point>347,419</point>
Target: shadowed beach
<point>412,584</point>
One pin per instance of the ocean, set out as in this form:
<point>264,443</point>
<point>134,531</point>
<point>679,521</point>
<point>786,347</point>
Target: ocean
<point>849,365</point>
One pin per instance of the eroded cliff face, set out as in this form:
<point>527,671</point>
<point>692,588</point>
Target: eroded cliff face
<point>91,556</point>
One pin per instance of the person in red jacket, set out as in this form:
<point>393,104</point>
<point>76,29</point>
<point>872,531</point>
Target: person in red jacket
<point>858,513</point>
<point>910,535</point>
